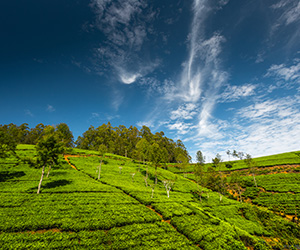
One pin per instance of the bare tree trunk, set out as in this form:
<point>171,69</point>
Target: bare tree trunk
<point>155,176</point>
<point>220,197</point>
<point>40,184</point>
<point>254,179</point>
<point>99,170</point>
<point>200,196</point>
<point>48,171</point>
<point>240,194</point>
<point>153,187</point>
<point>145,178</point>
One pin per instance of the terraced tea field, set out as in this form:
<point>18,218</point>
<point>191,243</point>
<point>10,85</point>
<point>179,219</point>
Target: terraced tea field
<point>125,209</point>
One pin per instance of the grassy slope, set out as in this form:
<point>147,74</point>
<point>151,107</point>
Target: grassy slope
<point>289,158</point>
<point>117,212</point>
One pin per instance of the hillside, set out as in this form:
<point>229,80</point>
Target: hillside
<point>125,210</point>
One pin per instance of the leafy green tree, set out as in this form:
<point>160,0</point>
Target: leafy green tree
<point>251,164</point>
<point>65,135</point>
<point>36,133</point>
<point>183,161</point>
<point>217,161</point>
<point>229,163</point>
<point>7,143</point>
<point>48,150</point>
<point>157,156</point>
<point>199,172</point>
<point>239,155</point>
<point>142,148</point>
<point>200,158</point>
<point>235,183</point>
<point>102,150</point>
<point>220,180</point>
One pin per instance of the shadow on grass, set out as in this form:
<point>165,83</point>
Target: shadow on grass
<point>59,173</point>
<point>6,175</point>
<point>58,183</point>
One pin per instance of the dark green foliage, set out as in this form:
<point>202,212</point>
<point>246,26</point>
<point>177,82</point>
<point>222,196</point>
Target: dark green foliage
<point>24,135</point>
<point>251,192</point>
<point>7,142</point>
<point>130,142</point>
<point>228,165</point>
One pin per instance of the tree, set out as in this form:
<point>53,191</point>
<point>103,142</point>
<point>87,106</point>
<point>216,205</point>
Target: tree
<point>229,163</point>
<point>239,155</point>
<point>219,182</point>
<point>102,150</point>
<point>235,183</point>
<point>200,158</point>
<point>156,155</point>
<point>217,161</point>
<point>168,186</point>
<point>142,148</point>
<point>7,143</point>
<point>65,135</point>
<point>36,133</point>
<point>48,150</point>
<point>199,172</point>
<point>251,166</point>
<point>183,161</point>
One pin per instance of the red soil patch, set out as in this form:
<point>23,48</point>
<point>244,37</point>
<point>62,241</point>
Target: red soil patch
<point>54,230</point>
<point>66,158</point>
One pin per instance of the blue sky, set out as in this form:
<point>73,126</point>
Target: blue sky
<point>218,75</point>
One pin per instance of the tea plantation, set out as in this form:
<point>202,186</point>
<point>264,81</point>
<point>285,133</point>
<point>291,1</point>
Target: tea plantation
<point>124,209</point>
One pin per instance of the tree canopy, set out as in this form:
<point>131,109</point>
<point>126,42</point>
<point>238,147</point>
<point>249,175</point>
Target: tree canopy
<point>130,142</point>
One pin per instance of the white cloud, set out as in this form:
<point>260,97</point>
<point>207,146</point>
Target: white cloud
<point>125,25</point>
<point>117,99</point>
<point>263,128</point>
<point>286,13</point>
<point>202,77</point>
<point>283,72</point>
<point>290,11</point>
<point>234,93</point>
<point>129,78</point>
<point>186,111</point>
<point>50,108</point>
<point>148,124</point>
<point>180,127</point>
<point>95,115</point>
<point>28,112</point>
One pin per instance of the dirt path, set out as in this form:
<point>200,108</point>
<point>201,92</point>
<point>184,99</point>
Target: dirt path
<point>66,158</point>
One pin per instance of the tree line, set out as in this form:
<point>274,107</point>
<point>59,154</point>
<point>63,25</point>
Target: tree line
<point>129,142</point>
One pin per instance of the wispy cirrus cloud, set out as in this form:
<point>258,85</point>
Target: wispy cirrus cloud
<point>286,73</point>
<point>289,12</point>
<point>194,95</point>
<point>125,25</point>
<point>201,76</point>
<point>28,113</point>
<point>274,126</point>
<point>50,108</point>
<point>265,127</point>
<point>186,111</point>
<point>181,128</point>
<point>234,93</point>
